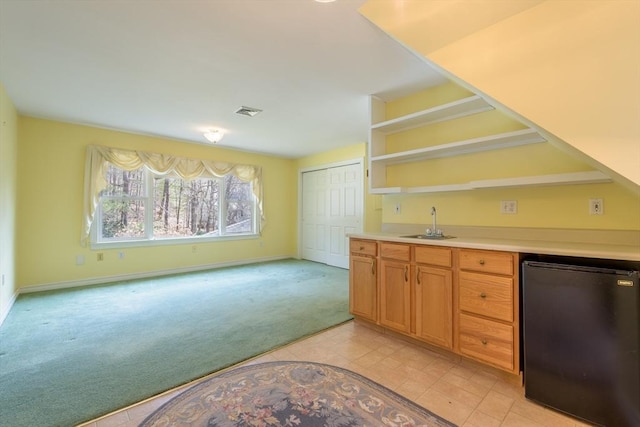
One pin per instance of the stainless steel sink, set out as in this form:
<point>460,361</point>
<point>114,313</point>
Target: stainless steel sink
<point>429,237</point>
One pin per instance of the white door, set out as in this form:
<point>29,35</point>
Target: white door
<point>345,211</point>
<point>325,229</point>
<point>314,213</point>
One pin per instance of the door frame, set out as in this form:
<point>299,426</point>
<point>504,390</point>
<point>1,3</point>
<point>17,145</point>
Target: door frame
<point>355,161</point>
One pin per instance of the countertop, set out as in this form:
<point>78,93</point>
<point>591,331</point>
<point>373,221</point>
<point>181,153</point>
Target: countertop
<point>617,251</point>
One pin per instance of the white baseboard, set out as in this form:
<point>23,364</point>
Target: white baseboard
<point>133,276</point>
<point>5,313</point>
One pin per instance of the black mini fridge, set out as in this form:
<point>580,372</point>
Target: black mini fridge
<point>581,339</point>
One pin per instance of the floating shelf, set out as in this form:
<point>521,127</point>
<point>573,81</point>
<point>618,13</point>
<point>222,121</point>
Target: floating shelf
<point>591,177</point>
<point>492,142</point>
<point>380,159</point>
<point>453,110</point>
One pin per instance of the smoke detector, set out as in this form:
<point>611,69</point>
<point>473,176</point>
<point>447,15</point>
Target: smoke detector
<point>248,111</point>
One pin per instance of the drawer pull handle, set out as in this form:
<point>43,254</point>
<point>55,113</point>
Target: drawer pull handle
<point>481,262</point>
<point>418,276</point>
<point>406,273</point>
<point>484,341</point>
<point>483,295</point>
<point>373,267</point>
<point>362,248</point>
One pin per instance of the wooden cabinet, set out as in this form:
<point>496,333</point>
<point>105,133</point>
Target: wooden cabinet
<point>488,341</point>
<point>487,261</point>
<point>486,295</point>
<point>463,300</point>
<point>395,288</point>
<point>363,279</point>
<point>433,289</point>
<point>488,307</point>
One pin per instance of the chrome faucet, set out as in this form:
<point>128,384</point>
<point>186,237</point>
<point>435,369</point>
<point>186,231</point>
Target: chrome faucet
<point>435,222</point>
<point>434,230</point>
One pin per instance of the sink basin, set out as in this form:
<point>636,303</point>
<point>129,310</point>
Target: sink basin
<point>429,237</point>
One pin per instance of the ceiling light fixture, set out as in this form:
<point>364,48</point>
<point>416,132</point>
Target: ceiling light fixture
<point>325,1</point>
<point>213,135</point>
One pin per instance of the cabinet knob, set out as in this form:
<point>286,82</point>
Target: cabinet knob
<point>483,295</point>
<point>484,341</point>
<point>481,262</point>
<point>361,248</point>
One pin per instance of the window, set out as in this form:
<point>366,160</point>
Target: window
<point>139,205</point>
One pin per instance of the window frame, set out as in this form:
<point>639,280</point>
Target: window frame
<point>98,242</point>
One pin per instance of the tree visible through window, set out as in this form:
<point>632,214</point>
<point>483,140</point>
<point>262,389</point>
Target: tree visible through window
<point>139,205</point>
<point>123,204</point>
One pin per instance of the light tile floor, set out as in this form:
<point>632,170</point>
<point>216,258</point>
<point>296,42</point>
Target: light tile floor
<point>460,391</point>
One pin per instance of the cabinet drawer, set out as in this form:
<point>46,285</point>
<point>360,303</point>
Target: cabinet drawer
<point>487,261</point>
<point>363,247</point>
<point>490,296</point>
<point>487,340</point>
<point>433,256</point>
<point>395,251</point>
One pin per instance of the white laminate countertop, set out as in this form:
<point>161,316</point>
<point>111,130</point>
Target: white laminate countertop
<point>573,249</point>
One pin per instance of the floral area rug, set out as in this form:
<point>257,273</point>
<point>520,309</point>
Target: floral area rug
<point>296,394</point>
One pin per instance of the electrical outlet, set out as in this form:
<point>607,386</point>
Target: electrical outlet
<point>509,207</point>
<point>100,256</point>
<point>397,210</point>
<point>121,255</point>
<point>596,207</point>
<point>79,259</point>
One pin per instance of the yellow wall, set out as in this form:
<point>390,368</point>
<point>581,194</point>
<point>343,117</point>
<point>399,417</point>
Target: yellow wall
<point>566,66</point>
<point>570,67</point>
<point>50,186</point>
<point>8,188</point>
<point>564,206</point>
<point>372,203</point>
<point>526,160</point>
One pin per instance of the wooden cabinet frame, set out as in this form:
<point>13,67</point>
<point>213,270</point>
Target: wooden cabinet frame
<point>425,292</point>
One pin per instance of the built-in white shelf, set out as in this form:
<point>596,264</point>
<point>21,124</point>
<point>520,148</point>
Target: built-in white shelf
<point>474,145</point>
<point>590,177</point>
<point>380,158</point>
<point>452,110</point>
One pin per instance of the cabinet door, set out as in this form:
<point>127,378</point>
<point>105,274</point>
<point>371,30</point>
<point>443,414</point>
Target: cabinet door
<point>363,290</point>
<point>395,293</point>
<point>434,305</point>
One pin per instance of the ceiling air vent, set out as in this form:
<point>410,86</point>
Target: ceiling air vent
<point>248,111</point>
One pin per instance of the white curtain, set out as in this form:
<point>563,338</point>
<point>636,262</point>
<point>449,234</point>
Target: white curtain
<point>98,157</point>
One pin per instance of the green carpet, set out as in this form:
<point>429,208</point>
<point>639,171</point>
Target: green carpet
<point>72,355</point>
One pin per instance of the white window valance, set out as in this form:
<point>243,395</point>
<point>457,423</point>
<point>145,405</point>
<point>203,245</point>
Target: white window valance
<point>98,158</point>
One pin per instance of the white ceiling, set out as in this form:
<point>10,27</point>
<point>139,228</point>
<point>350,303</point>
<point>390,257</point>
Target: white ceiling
<point>174,68</point>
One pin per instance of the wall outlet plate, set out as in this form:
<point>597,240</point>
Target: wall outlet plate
<point>596,207</point>
<point>509,207</point>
